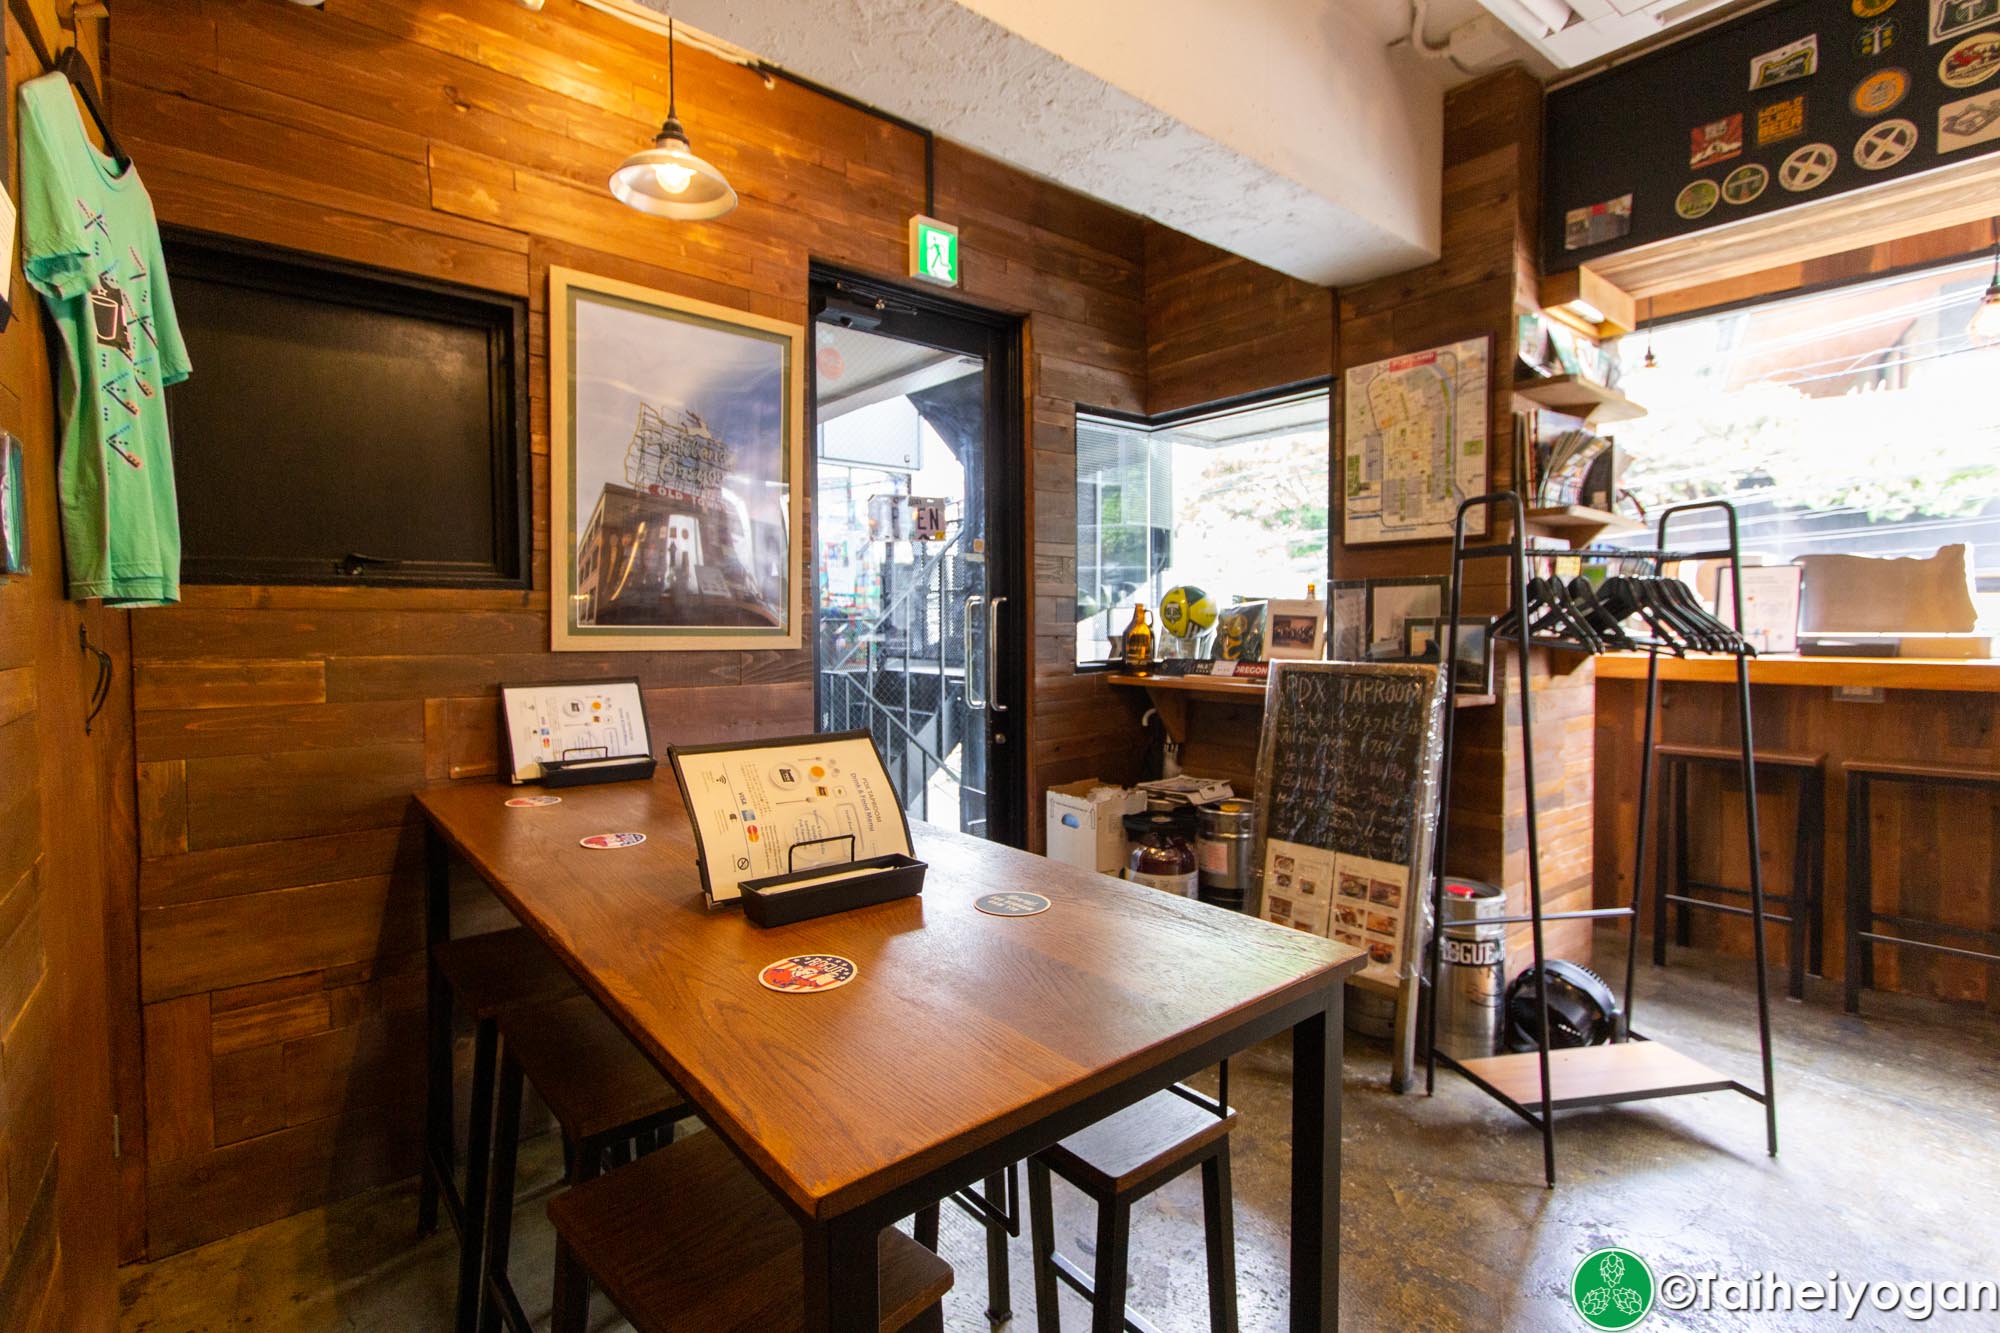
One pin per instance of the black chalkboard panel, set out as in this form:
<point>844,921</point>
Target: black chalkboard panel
<point>1350,757</point>
<point>1636,129</point>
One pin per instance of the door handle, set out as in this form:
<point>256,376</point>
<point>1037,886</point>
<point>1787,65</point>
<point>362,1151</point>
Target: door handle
<point>993,651</point>
<point>973,700</point>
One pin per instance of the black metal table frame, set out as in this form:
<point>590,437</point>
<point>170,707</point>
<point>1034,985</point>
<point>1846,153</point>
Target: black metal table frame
<point>841,1251</point>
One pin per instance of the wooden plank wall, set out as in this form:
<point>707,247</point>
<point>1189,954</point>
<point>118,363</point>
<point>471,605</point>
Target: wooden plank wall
<point>1487,272</point>
<point>281,730</point>
<point>1936,852</point>
<point>1220,326</point>
<point>65,816</point>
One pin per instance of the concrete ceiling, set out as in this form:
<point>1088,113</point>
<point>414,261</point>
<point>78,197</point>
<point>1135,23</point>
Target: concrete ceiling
<point>1303,134</point>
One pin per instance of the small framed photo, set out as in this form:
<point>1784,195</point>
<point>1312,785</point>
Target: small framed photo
<point>1239,633</point>
<point>1347,621</point>
<point>1421,638</point>
<point>1473,663</point>
<point>1392,602</point>
<point>1294,630</point>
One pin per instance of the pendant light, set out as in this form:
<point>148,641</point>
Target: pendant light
<point>1644,380</point>
<point>668,180</point>
<point>1986,319</point>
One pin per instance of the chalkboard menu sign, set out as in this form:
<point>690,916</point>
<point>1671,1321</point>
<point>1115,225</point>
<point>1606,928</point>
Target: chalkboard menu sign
<point>1795,101</point>
<point>1348,776</point>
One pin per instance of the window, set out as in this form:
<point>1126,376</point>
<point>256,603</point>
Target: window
<point>1233,502</point>
<point>1860,420</point>
<point>345,425</point>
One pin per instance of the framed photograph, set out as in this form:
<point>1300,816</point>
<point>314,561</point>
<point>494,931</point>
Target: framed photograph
<point>1420,639</point>
<point>1474,659</point>
<point>1391,603</point>
<point>1295,630</point>
<point>1239,633</point>
<point>1347,621</point>
<point>676,461</point>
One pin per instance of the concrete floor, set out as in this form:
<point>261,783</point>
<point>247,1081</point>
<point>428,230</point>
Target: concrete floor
<point>1889,1172</point>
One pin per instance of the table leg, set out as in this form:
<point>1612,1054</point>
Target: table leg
<point>437,1159</point>
<point>843,1271</point>
<point>1316,1055</point>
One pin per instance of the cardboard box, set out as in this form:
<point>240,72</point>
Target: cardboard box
<point>1086,824</point>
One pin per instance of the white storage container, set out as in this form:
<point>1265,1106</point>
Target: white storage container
<point>1086,824</point>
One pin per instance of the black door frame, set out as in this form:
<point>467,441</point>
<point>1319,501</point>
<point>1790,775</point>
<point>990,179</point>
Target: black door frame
<point>998,341</point>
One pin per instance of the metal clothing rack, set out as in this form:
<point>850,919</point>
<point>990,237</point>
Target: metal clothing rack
<point>1535,1085</point>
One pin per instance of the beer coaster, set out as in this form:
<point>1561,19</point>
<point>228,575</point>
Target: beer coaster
<point>805,973</point>
<point>534,802</point>
<point>605,842</point>
<point>1012,904</point>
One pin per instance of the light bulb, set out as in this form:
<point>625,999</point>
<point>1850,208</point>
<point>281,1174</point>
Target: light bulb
<point>673,177</point>
<point>1986,319</point>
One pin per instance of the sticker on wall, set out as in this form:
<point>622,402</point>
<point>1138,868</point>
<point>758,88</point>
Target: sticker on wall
<point>1585,227</point>
<point>1697,199</point>
<point>1875,38</point>
<point>1781,120</point>
<point>1884,144</point>
<point>1974,120</point>
<point>1972,62</point>
<point>1745,183</point>
<point>1793,60</point>
<point>1879,92</point>
<point>1808,167</point>
<point>1868,9</point>
<point>1717,141</point>
<point>1949,18</point>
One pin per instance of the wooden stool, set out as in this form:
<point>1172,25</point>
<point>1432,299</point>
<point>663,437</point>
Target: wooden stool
<point>685,1240</point>
<point>1804,907</point>
<point>1118,1161</point>
<point>605,1095</point>
<point>1862,918</point>
<point>489,974</point>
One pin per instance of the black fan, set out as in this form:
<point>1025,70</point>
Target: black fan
<point>1582,1009</point>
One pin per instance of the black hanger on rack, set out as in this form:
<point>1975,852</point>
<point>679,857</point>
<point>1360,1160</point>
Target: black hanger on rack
<point>72,66</point>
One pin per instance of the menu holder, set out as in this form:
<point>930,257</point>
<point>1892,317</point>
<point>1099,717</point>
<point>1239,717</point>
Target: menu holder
<point>797,827</point>
<point>574,733</point>
<point>799,895</point>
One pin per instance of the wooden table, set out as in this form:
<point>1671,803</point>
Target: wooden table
<point>965,1043</point>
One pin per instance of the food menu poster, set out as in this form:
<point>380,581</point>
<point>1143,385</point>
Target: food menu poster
<point>570,722</point>
<point>828,796</point>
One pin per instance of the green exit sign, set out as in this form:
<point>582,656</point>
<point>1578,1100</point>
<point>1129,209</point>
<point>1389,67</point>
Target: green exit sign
<point>933,251</point>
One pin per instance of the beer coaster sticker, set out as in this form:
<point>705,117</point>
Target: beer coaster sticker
<point>806,973</point>
<point>1972,62</point>
<point>1745,183</point>
<point>1884,144</point>
<point>609,842</point>
<point>1697,199</point>
<point>1808,167</point>
<point>1012,904</point>
<point>533,802</point>
<point>1876,38</point>
<point>1868,9</point>
<point>1879,92</point>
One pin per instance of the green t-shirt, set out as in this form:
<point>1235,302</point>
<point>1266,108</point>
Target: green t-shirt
<point>91,247</point>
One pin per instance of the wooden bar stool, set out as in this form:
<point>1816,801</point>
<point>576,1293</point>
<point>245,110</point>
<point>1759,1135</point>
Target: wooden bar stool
<point>1117,1162</point>
<point>1862,918</point>
<point>488,975</point>
<point>685,1240</point>
<point>1803,909</point>
<point>606,1096</point>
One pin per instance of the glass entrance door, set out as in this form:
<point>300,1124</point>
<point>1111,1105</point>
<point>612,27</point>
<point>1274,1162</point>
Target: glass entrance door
<point>917,638</point>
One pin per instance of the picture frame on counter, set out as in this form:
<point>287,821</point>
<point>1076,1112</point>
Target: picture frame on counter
<point>1347,620</point>
<point>676,467</point>
<point>1295,630</point>
<point>1394,602</point>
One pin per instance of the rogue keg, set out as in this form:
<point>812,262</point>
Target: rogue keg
<point>1227,851</point>
<point>1472,983</point>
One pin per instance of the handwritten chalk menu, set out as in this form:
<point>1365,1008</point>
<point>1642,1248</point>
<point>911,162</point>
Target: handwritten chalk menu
<point>568,723</point>
<point>1347,776</point>
<point>800,803</point>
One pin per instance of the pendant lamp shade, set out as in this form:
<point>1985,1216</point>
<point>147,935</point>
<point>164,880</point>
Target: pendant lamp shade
<point>668,180</point>
<point>1986,319</point>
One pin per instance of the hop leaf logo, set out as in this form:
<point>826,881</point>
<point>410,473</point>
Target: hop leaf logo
<point>1612,1289</point>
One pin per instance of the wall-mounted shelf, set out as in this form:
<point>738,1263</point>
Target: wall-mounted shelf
<point>1170,696</point>
<point>1582,519</point>
<point>1574,396</point>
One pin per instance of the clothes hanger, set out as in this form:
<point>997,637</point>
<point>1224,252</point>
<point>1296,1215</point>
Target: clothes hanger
<point>72,66</point>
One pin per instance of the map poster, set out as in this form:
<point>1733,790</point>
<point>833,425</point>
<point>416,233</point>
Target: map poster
<point>1414,433</point>
<point>775,806</point>
<point>604,719</point>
